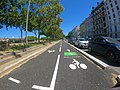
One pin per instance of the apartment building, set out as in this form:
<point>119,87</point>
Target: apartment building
<point>113,14</point>
<point>75,32</point>
<point>88,27</point>
<point>99,16</point>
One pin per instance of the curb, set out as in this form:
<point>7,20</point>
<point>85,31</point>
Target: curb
<point>10,66</point>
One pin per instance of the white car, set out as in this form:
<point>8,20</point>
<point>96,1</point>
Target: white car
<point>82,43</point>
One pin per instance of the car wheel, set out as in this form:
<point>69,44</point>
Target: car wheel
<point>111,56</point>
<point>89,49</point>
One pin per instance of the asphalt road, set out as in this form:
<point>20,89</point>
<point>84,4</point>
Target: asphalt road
<point>59,68</point>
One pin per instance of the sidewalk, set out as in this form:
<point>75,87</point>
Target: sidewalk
<point>7,65</point>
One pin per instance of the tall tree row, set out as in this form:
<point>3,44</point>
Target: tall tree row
<point>44,16</point>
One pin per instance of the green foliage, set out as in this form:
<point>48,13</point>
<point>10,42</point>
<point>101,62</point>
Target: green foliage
<point>44,16</point>
<point>3,45</point>
<point>69,35</point>
<point>32,38</point>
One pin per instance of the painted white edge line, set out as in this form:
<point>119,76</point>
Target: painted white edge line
<point>14,80</point>
<point>60,49</point>
<point>40,87</point>
<point>91,57</point>
<point>52,85</point>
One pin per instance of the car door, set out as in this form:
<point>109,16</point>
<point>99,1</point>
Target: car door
<point>101,45</point>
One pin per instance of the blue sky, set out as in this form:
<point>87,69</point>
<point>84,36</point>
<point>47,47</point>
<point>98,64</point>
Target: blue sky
<point>75,12</point>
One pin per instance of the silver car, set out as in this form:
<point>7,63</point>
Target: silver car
<point>82,43</point>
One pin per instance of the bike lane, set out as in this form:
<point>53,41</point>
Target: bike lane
<point>77,73</point>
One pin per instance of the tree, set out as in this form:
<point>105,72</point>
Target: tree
<point>44,16</point>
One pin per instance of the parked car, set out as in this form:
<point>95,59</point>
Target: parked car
<point>106,46</point>
<point>71,40</point>
<point>82,43</point>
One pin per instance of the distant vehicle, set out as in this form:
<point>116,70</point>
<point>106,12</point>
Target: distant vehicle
<point>106,46</point>
<point>71,40</point>
<point>82,43</point>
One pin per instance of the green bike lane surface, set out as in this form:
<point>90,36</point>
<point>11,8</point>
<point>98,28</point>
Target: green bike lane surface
<point>92,78</point>
<point>38,71</point>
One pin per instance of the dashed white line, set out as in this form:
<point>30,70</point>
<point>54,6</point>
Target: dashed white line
<point>60,49</point>
<point>14,80</point>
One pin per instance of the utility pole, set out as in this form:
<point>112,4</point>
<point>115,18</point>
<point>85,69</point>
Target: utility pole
<point>27,23</point>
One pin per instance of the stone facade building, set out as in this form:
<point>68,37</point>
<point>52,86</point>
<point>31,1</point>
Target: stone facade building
<point>113,13</point>
<point>99,16</point>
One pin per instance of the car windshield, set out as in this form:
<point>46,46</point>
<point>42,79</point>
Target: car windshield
<point>82,39</point>
<point>111,40</point>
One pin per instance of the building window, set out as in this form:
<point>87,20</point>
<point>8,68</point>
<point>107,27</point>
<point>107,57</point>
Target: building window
<point>117,7</point>
<point>110,28</point>
<point>115,28</point>
<point>119,19</point>
<point>116,35</point>
<point>109,17</point>
<point>102,8</point>
<point>108,12</point>
<point>113,15</point>
<point>115,2</point>
<point>104,24</point>
<point>109,0</point>
<point>107,8</point>
<point>112,10</point>
<point>111,5</point>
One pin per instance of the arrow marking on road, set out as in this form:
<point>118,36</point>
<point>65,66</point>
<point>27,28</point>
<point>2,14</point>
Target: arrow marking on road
<point>52,85</point>
<point>14,80</point>
<point>50,51</point>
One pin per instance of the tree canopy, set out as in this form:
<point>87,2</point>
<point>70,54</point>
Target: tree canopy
<point>44,16</point>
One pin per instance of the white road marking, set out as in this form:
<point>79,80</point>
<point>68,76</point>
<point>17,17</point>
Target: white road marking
<point>40,87</point>
<point>76,63</point>
<point>61,44</point>
<point>94,59</point>
<point>72,66</point>
<point>52,85</point>
<point>68,50</point>
<point>83,66</point>
<point>51,51</point>
<point>60,49</point>
<point>14,80</point>
<point>71,54</point>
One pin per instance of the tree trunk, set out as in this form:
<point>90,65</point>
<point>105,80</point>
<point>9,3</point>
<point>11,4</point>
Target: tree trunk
<point>21,35</point>
<point>38,36</point>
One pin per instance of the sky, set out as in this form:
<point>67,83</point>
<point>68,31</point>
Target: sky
<point>75,12</point>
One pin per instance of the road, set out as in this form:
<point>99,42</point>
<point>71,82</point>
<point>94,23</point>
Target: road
<point>59,68</point>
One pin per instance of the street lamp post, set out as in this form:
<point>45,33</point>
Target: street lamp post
<point>27,23</point>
